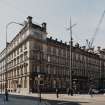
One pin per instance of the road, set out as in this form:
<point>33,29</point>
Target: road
<point>70,100</point>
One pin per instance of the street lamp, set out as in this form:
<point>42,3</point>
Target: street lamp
<point>43,29</point>
<point>6,81</point>
<point>71,40</point>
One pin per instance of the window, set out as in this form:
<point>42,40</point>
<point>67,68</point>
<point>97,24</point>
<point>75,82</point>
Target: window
<point>25,45</point>
<point>14,62</point>
<point>49,49</point>
<point>25,82</point>
<point>54,69</point>
<point>17,71</point>
<point>17,51</point>
<point>59,52</point>
<point>38,56</point>
<point>21,58</point>
<point>34,67</point>
<point>14,73</point>
<point>76,56</point>
<point>25,69</point>
<point>41,82</point>
<point>17,60</point>
<point>12,56</point>
<point>48,58</point>
<point>21,82</point>
<point>48,68</point>
<point>54,51</point>
<point>38,69</point>
<point>81,57</point>
<point>21,49</point>
<point>21,70</point>
<point>14,53</point>
<point>25,56</point>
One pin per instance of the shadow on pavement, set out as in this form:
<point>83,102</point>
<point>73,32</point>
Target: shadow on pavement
<point>26,99</point>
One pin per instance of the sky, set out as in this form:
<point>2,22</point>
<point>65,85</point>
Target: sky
<point>56,13</point>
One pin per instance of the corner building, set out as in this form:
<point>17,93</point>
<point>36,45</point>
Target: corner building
<point>36,62</point>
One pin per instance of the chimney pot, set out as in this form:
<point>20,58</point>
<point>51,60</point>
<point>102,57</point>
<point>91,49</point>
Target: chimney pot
<point>56,39</point>
<point>29,18</point>
<point>50,37</point>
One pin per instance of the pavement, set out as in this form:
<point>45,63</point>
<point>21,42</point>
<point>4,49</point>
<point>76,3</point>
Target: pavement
<point>65,97</point>
<point>51,99</point>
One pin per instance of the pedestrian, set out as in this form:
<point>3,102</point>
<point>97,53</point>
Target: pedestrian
<point>68,91</point>
<point>6,95</point>
<point>71,92</point>
<point>57,93</point>
<point>91,92</point>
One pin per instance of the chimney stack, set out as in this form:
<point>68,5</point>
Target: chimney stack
<point>44,26</point>
<point>98,48</point>
<point>77,45</point>
<point>29,18</point>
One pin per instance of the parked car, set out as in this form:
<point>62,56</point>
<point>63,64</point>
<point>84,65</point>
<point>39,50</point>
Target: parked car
<point>101,91</point>
<point>95,91</point>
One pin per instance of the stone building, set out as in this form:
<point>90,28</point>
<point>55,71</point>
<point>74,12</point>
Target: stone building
<point>36,62</point>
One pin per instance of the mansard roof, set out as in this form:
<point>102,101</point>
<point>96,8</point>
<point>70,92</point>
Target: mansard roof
<point>75,49</point>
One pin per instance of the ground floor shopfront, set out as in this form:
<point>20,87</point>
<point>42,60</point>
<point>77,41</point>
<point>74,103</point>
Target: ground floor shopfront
<point>48,83</point>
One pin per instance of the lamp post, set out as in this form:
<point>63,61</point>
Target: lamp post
<point>6,81</point>
<point>40,87</point>
<point>71,42</point>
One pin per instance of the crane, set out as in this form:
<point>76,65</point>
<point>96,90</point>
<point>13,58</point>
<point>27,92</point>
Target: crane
<point>90,43</point>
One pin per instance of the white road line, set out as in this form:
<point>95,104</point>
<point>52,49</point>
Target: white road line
<point>63,103</point>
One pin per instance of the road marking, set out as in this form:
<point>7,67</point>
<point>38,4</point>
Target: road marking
<point>63,103</point>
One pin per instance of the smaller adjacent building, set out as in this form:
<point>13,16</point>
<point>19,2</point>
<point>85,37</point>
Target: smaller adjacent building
<point>101,53</point>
